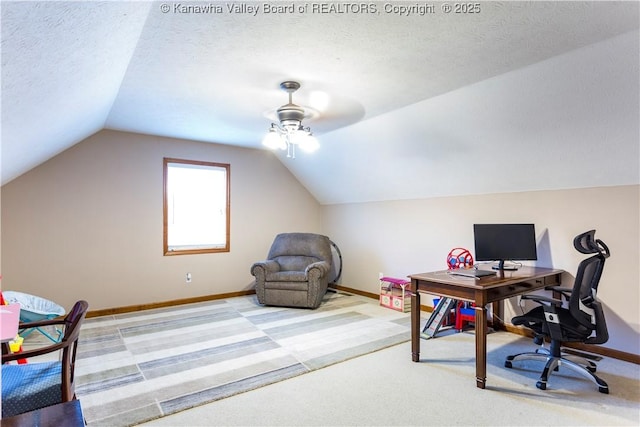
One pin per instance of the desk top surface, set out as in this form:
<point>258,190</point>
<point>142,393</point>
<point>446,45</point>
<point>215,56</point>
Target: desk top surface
<point>501,278</point>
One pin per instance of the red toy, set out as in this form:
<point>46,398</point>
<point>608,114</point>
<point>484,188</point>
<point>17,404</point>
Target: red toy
<point>459,258</point>
<point>465,313</point>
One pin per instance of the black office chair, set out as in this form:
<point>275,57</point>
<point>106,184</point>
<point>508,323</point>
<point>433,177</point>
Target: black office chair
<point>582,321</point>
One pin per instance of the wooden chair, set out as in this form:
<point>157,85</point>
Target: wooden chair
<point>37,385</point>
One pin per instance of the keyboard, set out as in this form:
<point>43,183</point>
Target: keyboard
<point>471,272</point>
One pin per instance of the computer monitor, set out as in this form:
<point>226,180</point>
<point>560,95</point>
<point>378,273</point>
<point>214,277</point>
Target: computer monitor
<point>505,242</point>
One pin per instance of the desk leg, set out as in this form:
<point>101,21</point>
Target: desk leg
<point>415,326</point>
<point>481,346</point>
<point>496,320</point>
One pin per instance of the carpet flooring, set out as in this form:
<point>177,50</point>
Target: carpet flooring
<point>386,388</point>
<point>136,367</point>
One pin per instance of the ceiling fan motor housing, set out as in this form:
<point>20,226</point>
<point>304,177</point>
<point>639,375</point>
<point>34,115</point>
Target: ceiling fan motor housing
<point>290,116</point>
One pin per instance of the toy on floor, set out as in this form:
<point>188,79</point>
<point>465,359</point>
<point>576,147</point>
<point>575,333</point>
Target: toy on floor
<point>394,294</point>
<point>11,341</point>
<point>33,309</point>
<point>465,313</point>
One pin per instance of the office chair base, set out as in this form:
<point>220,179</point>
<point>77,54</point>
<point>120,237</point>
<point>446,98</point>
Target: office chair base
<point>543,354</point>
<point>554,363</point>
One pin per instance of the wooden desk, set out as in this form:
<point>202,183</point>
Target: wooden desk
<point>490,289</point>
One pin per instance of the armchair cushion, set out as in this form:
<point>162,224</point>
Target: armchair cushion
<point>294,262</point>
<point>287,276</point>
<point>30,386</point>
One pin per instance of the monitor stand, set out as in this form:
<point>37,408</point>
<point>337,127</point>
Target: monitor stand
<point>501,267</point>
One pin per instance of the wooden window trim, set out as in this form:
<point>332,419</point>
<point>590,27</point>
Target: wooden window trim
<point>165,202</point>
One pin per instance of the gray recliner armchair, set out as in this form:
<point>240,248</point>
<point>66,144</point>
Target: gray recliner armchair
<point>296,271</point>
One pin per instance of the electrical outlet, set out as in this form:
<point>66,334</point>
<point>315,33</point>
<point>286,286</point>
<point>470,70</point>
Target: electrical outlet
<point>188,277</point>
<point>380,275</point>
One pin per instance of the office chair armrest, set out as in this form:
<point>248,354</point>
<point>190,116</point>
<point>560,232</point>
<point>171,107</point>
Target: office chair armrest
<point>543,300</point>
<point>565,291</point>
<point>558,288</point>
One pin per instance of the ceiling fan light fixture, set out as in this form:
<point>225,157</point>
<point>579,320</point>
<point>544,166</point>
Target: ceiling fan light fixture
<point>273,141</point>
<point>308,143</point>
<point>289,132</point>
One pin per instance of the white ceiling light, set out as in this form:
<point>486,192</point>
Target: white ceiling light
<point>290,132</point>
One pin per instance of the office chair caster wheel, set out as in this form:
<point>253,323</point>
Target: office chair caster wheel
<point>541,385</point>
<point>508,364</point>
<point>604,390</point>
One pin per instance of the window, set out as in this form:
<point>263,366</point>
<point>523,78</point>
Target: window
<point>196,207</point>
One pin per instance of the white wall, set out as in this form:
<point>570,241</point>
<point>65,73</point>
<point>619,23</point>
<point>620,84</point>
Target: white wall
<point>399,238</point>
<point>87,224</point>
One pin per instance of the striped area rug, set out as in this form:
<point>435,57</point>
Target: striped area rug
<point>136,367</point>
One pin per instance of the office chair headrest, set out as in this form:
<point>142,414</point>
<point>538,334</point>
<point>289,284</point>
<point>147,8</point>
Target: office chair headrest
<point>586,243</point>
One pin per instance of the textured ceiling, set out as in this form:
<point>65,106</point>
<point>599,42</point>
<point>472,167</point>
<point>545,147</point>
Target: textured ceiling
<point>70,69</point>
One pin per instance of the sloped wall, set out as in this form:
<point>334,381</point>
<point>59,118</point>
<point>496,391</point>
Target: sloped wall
<point>88,223</point>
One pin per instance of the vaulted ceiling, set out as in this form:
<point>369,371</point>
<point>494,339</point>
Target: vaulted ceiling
<point>517,96</point>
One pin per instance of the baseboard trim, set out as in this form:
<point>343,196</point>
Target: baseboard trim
<point>354,291</point>
<point>141,307</point>
<point>594,349</point>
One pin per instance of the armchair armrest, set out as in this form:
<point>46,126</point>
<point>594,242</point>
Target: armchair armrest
<point>260,270</point>
<point>269,266</point>
<point>322,266</point>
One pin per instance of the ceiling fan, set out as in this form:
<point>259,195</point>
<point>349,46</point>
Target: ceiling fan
<point>289,132</point>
